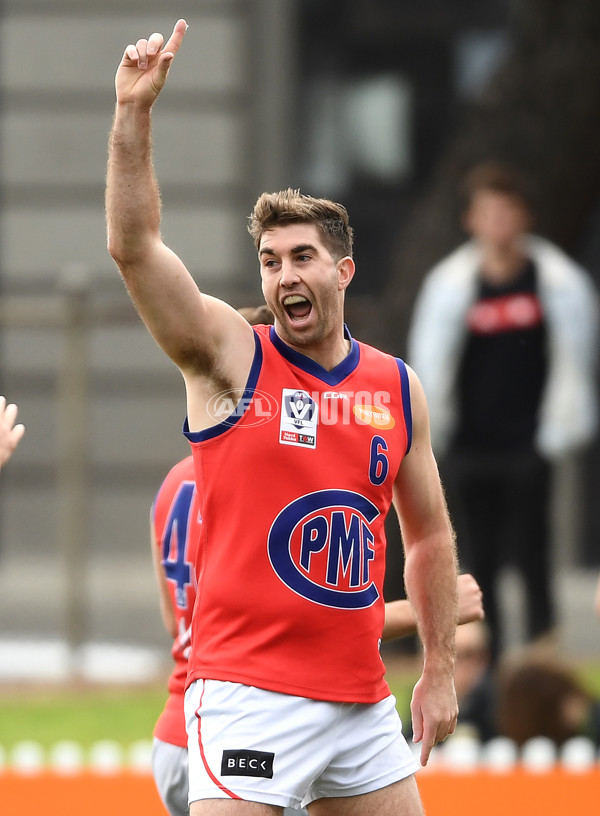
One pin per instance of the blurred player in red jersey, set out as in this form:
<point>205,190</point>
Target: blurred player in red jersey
<point>302,438</point>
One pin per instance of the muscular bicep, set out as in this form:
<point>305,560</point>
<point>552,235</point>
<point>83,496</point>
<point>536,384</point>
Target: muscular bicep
<point>197,331</point>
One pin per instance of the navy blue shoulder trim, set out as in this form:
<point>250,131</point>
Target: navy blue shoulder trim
<point>241,407</point>
<point>333,377</point>
<point>405,385</point>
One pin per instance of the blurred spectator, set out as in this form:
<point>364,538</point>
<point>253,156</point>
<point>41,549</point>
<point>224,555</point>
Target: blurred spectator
<point>542,697</point>
<point>503,339</point>
<point>10,434</point>
<point>475,682</point>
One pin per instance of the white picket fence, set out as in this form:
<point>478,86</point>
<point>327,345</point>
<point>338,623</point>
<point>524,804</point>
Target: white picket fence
<point>463,753</point>
<point>69,758</point>
<point>459,754</point>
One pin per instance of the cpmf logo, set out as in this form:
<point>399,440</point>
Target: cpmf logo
<point>322,547</point>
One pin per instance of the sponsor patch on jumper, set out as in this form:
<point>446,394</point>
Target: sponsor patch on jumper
<point>377,416</point>
<point>299,419</point>
<point>247,763</point>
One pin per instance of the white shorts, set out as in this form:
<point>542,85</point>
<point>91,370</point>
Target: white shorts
<point>262,746</point>
<point>170,771</point>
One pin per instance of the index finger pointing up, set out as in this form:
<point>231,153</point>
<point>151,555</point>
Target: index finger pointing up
<point>176,37</point>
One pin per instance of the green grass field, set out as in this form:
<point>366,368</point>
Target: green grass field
<point>87,714</point>
<point>82,714</point>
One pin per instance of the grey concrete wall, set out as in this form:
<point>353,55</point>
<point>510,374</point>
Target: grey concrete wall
<point>57,66</point>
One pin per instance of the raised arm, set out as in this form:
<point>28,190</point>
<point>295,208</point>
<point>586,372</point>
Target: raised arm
<point>10,434</point>
<point>209,341</point>
<point>430,578</point>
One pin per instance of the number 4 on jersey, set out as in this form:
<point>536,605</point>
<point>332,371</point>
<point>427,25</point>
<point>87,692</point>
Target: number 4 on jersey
<point>175,542</point>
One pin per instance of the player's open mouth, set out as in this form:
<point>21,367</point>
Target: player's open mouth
<point>297,307</point>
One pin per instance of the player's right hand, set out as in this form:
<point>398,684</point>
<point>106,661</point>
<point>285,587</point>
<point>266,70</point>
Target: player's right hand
<point>144,68</point>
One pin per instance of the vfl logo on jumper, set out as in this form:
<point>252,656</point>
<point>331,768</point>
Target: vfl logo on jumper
<point>247,763</point>
<point>299,417</point>
<point>321,546</point>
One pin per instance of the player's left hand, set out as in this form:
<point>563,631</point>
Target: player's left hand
<point>434,710</point>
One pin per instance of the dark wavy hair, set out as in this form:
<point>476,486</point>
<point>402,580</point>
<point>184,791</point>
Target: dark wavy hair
<point>293,207</point>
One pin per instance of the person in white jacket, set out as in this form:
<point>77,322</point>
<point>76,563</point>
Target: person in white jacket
<point>503,338</point>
